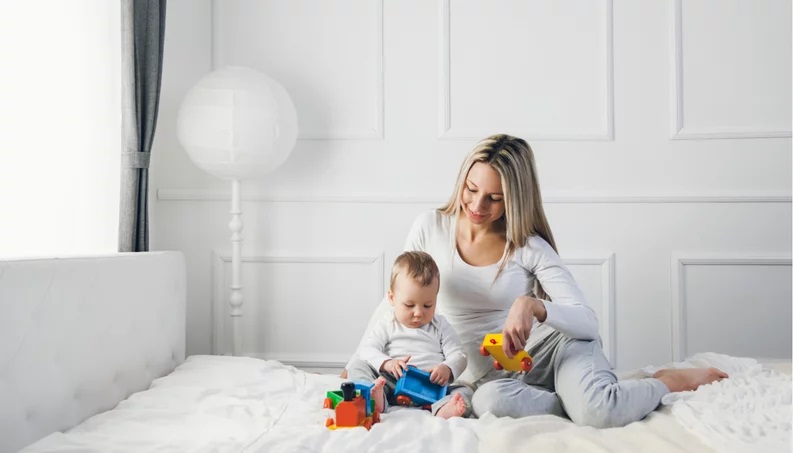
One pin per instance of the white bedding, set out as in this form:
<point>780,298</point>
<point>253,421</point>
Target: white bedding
<point>231,404</point>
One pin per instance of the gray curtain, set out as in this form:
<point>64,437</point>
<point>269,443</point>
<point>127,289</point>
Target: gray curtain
<point>142,36</point>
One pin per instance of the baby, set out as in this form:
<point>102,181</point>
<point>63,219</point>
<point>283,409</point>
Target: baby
<point>412,333</point>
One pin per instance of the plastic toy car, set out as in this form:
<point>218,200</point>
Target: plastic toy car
<point>353,406</point>
<point>492,345</point>
<point>415,388</point>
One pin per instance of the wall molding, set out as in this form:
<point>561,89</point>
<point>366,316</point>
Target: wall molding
<point>445,131</point>
<point>375,133</point>
<point>678,129</point>
<point>166,194</point>
<point>220,290</point>
<point>334,362</point>
<point>679,261</point>
<point>608,282</point>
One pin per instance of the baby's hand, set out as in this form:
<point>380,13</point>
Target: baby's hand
<point>395,366</point>
<point>440,374</point>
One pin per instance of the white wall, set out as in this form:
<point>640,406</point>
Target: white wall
<point>661,131</point>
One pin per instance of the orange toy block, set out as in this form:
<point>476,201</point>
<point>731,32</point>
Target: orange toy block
<point>351,413</point>
<point>492,346</point>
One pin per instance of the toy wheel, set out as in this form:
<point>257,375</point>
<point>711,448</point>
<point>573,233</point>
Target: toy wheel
<point>483,351</point>
<point>375,417</point>
<point>497,365</point>
<point>403,400</point>
<point>368,423</point>
<point>526,364</point>
<point>427,407</point>
<point>328,423</point>
<point>328,404</point>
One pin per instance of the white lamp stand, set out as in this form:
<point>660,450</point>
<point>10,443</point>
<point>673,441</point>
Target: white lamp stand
<point>235,298</point>
<point>237,123</point>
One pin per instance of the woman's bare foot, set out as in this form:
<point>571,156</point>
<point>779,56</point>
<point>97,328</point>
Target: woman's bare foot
<point>378,394</point>
<point>681,380</point>
<point>454,408</point>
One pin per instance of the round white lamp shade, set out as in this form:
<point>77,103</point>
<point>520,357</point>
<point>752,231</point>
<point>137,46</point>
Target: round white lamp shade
<point>237,123</point>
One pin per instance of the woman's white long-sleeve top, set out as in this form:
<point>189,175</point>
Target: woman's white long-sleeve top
<point>476,303</point>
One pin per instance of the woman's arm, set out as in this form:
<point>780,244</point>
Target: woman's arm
<point>567,311</point>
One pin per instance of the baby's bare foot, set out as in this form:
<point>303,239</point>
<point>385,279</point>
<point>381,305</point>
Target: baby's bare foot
<point>681,380</point>
<point>378,394</point>
<point>454,408</point>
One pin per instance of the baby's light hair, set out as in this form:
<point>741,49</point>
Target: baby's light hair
<point>417,265</point>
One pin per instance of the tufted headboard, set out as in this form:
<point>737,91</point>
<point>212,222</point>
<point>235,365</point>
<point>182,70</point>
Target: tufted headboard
<point>78,335</point>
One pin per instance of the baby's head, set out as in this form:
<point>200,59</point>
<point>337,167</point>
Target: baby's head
<point>415,281</point>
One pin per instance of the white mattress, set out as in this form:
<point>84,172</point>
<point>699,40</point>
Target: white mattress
<point>213,403</point>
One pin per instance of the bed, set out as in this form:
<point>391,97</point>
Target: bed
<point>92,360</point>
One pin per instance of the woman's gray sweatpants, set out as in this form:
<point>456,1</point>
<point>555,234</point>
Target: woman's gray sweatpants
<point>358,370</point>
<point>569,377</point>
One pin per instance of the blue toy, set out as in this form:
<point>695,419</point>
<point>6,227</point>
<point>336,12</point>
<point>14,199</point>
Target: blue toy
<point>415,388</point>
<point>365,389</point>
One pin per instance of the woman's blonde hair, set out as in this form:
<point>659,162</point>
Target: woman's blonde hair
<point>524,215</point>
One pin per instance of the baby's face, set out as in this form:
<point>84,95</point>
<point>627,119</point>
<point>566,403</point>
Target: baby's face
<point>414,305</point>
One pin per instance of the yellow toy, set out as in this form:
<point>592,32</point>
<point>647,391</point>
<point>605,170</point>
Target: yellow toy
<point>492,345</point>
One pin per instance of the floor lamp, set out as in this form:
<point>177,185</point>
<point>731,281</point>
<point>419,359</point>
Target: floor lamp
<point>237,124</point>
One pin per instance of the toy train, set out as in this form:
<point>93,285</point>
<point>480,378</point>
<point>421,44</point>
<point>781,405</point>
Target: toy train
<point>353,406</point>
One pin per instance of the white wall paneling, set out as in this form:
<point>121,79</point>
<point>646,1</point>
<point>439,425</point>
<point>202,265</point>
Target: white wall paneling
<point>297,308</point>
<point>737,305</point>
<point>726,78</point>
<point>600,288</point>
<point>536,91</point>
<point>391,95</point>
<point>637,297</point>
<point>606,198</point>
<point>328,56</point>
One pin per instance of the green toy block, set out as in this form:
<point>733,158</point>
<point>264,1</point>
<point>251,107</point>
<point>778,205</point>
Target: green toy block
<point>337,397</point>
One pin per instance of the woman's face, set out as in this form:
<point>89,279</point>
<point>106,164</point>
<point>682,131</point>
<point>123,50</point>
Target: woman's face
<point>483,196</point>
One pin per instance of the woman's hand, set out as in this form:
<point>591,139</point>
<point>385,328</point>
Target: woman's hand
<point>517,326</point>
<point>395,366</point>
<point>440,374</point>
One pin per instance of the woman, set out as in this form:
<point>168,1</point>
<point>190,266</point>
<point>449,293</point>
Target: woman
<point>500,271</point>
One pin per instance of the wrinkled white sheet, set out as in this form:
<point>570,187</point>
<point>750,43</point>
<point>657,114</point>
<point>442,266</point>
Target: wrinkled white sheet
<point>235,404</point>
<point>751,411</point>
